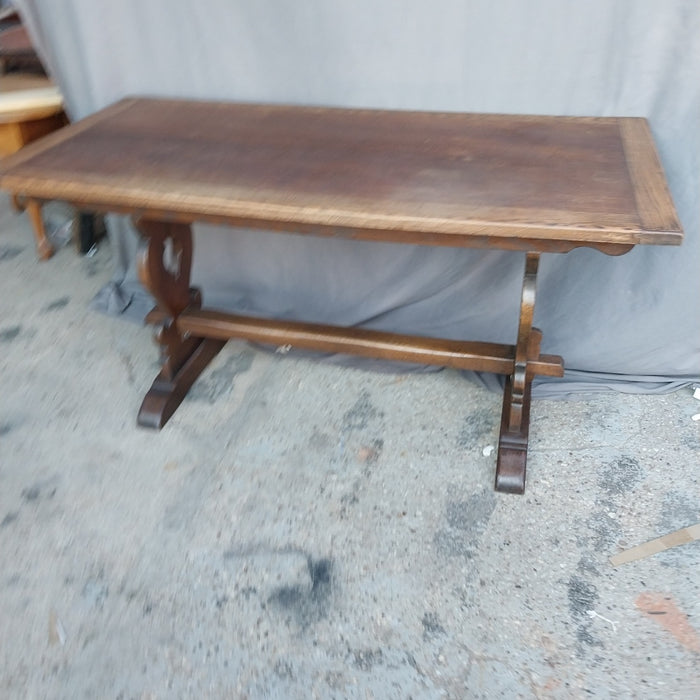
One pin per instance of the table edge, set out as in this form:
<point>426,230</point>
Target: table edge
<point>446,232</point>
<point>655,206</point>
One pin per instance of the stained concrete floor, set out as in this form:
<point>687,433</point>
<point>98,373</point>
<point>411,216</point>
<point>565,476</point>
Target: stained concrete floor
<point>300,530</point>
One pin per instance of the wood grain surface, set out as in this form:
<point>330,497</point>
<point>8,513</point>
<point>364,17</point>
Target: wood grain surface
<point>453,176</point>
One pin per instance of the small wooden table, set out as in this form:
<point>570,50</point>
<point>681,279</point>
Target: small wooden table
<point>523,183</point>
<point>30,107</point>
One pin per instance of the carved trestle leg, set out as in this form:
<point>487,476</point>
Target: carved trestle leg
<point>515,419</point>
<point>183,358</point>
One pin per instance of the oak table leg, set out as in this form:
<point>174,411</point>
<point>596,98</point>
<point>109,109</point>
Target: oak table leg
<point>515,419</point>
<point>44,249</point>
<point>184,357</point>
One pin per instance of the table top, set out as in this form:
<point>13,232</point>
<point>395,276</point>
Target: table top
<point>448,175</point>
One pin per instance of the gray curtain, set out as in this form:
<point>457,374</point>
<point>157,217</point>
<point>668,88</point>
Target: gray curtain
<point>628,323</point>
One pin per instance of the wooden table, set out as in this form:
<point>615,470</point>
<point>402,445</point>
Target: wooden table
<point>30,107</point>
<point>522,183</point>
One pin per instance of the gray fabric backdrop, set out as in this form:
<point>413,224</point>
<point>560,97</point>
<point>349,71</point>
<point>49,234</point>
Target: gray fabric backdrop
<point>630,323</point>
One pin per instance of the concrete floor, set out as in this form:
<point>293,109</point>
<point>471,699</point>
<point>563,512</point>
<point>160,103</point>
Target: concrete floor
<point>300,530</point>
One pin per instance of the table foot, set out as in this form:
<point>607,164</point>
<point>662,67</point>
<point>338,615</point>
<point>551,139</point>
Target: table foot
<point>512,445</point>
<point>165,395</point>
<point>510,472</point>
